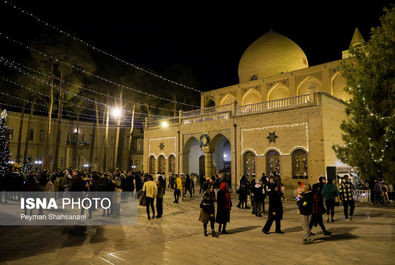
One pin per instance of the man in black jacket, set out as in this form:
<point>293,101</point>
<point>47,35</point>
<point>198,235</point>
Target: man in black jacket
<point>305,209</point>
<point>275,211</point>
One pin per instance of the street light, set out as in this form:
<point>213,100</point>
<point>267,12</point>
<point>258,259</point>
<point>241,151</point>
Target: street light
<point>116,112</point>
<point>164,124</point>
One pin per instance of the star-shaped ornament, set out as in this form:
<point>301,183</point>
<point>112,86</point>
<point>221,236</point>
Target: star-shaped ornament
<point>272,137</point>
<point>161,146</point>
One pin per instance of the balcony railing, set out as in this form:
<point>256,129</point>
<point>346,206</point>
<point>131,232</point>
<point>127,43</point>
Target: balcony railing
<point>273,104</point>
<point>207,111</point>
<point>155,123</point>
<point>224,111</point>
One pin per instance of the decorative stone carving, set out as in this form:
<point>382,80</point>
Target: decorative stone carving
<point>284,82</point>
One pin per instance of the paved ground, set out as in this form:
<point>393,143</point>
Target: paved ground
<point>178,238</point>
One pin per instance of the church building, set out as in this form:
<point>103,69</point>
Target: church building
<point>284,116</point>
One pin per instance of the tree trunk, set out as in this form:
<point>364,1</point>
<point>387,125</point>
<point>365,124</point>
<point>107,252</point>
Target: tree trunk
<point>175,106</point>
<point>46,162</point>
<point>93,140</point>
<point>18,150</point>
<point>60,109</point>
<point>25,153</point>
<point>106,135</point>
<point>130,162</point>
<point>116,149</point>
<point>148,112</point>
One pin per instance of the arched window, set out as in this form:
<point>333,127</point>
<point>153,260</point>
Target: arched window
<point>152,161</point>
<point>172,164</point>
<point>272,163</point>
<point>210,103</point>
<point>299,164</point>
<point>249,159</point>
<point>161,164</point>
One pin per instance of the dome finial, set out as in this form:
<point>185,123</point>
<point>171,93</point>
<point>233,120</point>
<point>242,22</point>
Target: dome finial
<point>357,38</point>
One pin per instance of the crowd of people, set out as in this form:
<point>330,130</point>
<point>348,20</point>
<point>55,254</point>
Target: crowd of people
<point>215,206</point>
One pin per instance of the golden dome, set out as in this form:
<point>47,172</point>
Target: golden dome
<point>269,55</point>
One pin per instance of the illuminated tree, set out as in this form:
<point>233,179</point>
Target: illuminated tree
<point>369,134</point>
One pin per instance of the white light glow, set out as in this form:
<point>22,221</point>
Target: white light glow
<point>116,112</point>
<point>164,124</point>
<point>86,165</point>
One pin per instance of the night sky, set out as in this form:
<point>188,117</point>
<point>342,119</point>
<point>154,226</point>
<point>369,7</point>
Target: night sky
<point>208,39</point>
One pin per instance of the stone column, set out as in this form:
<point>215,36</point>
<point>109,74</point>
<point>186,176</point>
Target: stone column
<point>208,161</point>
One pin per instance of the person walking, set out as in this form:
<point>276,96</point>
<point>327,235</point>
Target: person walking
<point>346,195</point>
<point>177,188</point>
<point>330,192</point>
<point>275,211</point>
<point>224,205</point>
<point>304,204</point>
<point>207,210</point>
<point>318,209</point>
<point>161,185</point>
<point>151,192</point>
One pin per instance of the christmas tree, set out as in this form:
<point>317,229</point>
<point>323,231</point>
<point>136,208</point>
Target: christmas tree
<point>4,146</point>
<point>369,134</point>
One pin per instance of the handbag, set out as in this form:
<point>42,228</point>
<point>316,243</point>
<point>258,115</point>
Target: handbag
<point>143,200</point>
<point>337,201</point>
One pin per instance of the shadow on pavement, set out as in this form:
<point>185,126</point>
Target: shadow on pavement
<point>293,229</point>
<point>242,229</point>
<point>335,237</point>
<point>18,242</point>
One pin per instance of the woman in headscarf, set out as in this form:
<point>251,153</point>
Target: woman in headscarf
<point>224,204</point>
<point>207,209</point>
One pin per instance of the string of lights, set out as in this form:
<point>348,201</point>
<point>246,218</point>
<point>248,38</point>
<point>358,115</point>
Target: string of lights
<point>79,124</point>
<point>385,136</point>
<point>75,113</point>
<point>98,49</point>
<point>10,65</point>
<point>92,74</point>
<point>12,62</point>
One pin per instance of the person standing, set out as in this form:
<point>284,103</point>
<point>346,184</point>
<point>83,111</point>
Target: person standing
<point>188,185</point>
<point>304,209</point>
<point>258,193</point>
<point>161,185</point>
<point>330,192</point>
<point>151,192</point>
<point>346,195</point>
<point>224,205</point>
<point>207,210</point>
<point>275,211</point>
<point>243,193</point>
<point>177,188</point>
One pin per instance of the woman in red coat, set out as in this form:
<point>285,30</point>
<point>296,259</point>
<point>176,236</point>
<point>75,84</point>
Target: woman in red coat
<point>224,204</point>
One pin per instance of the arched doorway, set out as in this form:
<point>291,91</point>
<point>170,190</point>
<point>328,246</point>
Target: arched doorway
<point>249,160</point>
<point>272,162</point>
<point>162,164</point>
<point>152,161</point>
<point>221,153</point>
<point>172,164</point>
<point>191,154</point>
<point>201,165</point>
<point>299,164</point>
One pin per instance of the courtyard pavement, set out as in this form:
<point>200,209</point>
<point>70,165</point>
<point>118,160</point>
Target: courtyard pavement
<point>177,238</point>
